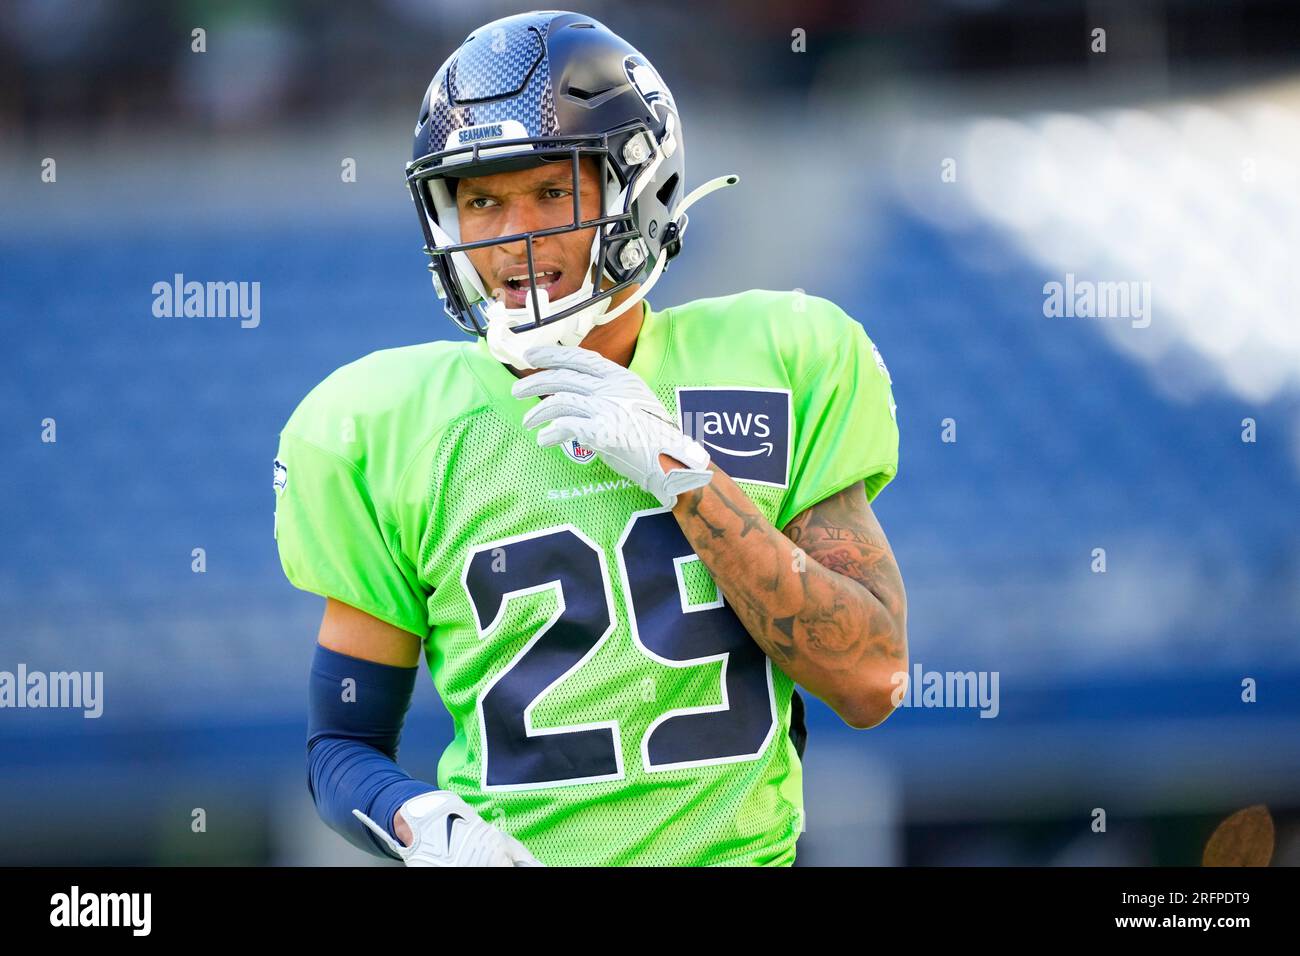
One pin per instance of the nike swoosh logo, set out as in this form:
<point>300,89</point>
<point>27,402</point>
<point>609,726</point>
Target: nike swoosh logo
<point>451,822</point>
<point>763,449</point>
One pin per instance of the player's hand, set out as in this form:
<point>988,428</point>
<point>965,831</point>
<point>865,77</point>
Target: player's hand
<point>610,410</point>
<point>445,831</point>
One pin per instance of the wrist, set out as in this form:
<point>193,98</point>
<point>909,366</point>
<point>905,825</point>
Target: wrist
<point>388,810</point>
<point>668,463</point>
<point>402,830</point>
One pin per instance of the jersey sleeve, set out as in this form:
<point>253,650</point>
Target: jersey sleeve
<point>335,540</point>
<point>845,425</point>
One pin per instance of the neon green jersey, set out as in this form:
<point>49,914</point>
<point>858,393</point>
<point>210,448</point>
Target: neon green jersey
<point>609,708</point>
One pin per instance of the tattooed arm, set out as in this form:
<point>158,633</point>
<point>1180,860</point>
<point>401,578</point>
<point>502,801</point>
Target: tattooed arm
<point>824,600</point>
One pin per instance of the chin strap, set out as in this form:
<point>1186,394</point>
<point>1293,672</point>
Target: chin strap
<point>509,345</point>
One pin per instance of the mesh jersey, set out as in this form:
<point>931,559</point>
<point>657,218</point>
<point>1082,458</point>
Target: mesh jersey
<point>608,706</point>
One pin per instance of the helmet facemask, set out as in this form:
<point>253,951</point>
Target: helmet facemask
<point>551,86</point>
<point>619,256</point>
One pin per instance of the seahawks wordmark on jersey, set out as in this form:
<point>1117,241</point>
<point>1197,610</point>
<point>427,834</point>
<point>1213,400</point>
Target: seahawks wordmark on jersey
<point>609,708</point>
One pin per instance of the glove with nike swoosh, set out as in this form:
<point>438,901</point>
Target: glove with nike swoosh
<point>609,409</point>
<point>445,831</point>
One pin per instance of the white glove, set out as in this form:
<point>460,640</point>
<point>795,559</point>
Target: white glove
<point>608,409</point>
<point>446,831</point>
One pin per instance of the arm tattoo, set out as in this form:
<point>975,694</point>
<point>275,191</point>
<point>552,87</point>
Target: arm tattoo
<point>801,612</point>
<point>842,535</point>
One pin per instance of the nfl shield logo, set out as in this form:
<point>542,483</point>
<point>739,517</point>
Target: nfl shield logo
<point>578,451</point>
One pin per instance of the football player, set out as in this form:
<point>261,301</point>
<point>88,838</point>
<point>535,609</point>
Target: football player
<point>619,536</point>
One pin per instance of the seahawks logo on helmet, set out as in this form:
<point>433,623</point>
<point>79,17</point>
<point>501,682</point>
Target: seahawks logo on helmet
<point>647,81</point>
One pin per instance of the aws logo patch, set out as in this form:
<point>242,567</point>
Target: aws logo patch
<point>745,430</point>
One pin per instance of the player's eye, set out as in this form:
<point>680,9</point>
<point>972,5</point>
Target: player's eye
<point>478,202</point>
<point>556,192</point>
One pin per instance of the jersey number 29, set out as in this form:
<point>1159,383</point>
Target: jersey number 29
<point>650,553</point>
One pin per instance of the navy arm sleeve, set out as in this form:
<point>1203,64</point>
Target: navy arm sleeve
<point>352,736</point>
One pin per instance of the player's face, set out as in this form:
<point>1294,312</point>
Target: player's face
<point>526,200</point>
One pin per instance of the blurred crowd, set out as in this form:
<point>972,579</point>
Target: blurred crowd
<point>98,63</point>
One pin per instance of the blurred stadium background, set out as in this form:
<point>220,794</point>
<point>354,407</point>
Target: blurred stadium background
<point>1172,158</point>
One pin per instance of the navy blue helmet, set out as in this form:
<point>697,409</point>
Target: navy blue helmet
<point>552,87</point>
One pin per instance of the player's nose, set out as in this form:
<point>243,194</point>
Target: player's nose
<point>522,216</point>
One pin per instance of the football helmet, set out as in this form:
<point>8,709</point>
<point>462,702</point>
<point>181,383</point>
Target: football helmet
<point>552,87</point>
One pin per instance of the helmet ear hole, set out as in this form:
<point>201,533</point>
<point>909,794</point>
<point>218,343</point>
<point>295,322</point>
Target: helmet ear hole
<point>666,192</point>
